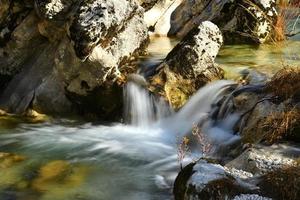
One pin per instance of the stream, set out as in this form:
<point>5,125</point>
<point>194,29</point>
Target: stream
<point>136,160</point>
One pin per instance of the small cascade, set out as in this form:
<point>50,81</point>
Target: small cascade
<point>141,108</point>
<point>198,109</point>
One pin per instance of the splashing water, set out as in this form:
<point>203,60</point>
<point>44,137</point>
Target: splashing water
<point>142,154</point>
<point>141,108</point>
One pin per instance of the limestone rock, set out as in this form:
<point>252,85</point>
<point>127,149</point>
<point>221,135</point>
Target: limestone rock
<point>96,21</point>
<point>240,21</point>
<point>189,65</point>
<point>54,9</point>
<point>67,56</point>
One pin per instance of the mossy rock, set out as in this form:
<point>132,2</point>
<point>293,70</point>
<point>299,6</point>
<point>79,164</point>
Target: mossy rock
<point>8,160</point>
<point>59,179</point>
<point>11,169</point>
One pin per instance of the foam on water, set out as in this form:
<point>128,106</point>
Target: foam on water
<point>147,145</point>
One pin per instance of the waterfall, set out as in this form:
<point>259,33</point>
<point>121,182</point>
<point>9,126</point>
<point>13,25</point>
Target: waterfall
<point>149,139</point>
<point>141,108</point>
<point>199,106</point>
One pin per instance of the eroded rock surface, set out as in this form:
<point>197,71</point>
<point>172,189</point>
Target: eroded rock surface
<point>245,21</point>
<point>68,56</point>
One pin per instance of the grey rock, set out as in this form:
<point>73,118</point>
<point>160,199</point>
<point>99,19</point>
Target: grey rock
<point>189,65</point>
<point>260,159</point>
<point>43,71</point>
<point>95,23</point>
<point>240,21</point>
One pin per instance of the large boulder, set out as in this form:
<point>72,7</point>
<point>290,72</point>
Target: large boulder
<point>189,66</point>
<point>69,56</point>
<point>241,21</point>
<point>204,180</point>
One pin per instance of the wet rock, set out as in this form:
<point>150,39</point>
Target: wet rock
<point>207,181</point>
<point>240,21</point>
<point>9,159</point>
<point>269,112</point>
<point>11,169</point>
<point>189,65</point>
<point>59,179</point>
<point>66,55</point>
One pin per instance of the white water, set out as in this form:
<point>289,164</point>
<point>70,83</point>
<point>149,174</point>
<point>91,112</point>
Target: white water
<point>146,149</point>
<point>142,109</point>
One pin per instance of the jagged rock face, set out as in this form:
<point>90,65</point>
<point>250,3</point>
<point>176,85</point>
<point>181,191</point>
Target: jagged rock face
<point>96,21</point>
<point>68,55</point>
<point>241,21</point>
<point>189,65</point>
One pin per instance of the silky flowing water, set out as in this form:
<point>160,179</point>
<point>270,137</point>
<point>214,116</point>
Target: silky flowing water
<point>65,159</point>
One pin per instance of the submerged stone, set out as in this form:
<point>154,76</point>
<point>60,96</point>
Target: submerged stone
<point>59,176</point>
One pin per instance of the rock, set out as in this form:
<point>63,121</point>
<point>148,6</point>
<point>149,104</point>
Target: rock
<point>269,112</point>
<point>207,181</point>
<point>250,197</point>
<point>255,174</point>
<point>95,22</point>
<point>54,10</point>
<point>59,179</point>
<point>189,65</point>
<point>9,159</point>
<point>282,183</point>
<point>240,21</point>
<point>68,57</point>
<point>158,17</point>
<point>12,14</point>
<point>148,4</point>
<point>260,159</point>
<point>3,113</point>
<point>12,169</point>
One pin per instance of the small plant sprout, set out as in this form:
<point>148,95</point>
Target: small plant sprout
<point>183,150</point>
<point>205,144</point>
